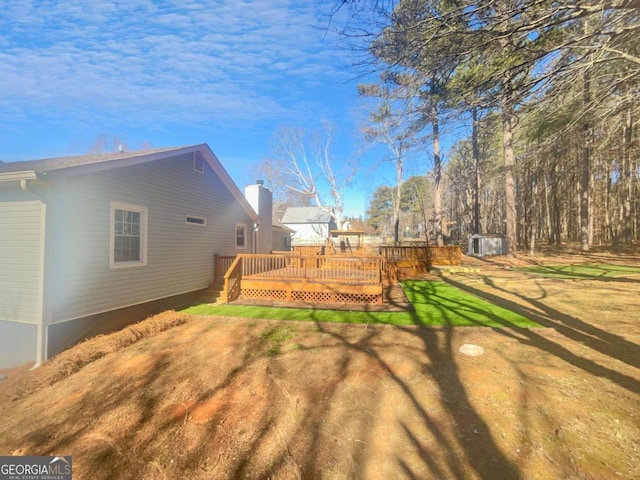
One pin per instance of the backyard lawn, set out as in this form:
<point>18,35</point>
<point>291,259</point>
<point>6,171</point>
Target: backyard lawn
<point>281,393</point>
<point>583,271</point>
<point>436,303</point>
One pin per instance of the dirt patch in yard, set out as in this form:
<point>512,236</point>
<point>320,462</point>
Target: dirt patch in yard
<point>215,397</point>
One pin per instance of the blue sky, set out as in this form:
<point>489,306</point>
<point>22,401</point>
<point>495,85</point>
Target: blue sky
<point>176,72</point>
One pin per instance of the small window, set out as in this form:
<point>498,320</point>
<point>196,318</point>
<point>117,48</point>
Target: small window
<point>241,235</point>
<point>196,220</point>
<point>128,243</point>
<point>198,162</point>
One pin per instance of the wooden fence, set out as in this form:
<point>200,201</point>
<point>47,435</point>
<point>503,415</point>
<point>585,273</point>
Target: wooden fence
<point>309,249</point>
<point>428,255</point>
<point>408,261</point>
<point>405,252</point>
<point>441,256</point>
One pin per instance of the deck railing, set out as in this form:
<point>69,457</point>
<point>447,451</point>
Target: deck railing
<point>361,269</point>
<point>232,279</point>
<point>221,264</point>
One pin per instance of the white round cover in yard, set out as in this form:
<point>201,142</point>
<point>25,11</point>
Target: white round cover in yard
<point>471,350</point>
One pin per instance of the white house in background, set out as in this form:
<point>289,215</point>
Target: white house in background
<point>90,243</point>
<point>282,236</point>
<point>311,224</point>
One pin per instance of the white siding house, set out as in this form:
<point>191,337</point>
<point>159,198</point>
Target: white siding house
<point>311,224</point>
<point>90,243</point>
<point>281,237</point>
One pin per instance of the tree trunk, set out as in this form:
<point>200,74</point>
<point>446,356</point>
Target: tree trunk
<point>509,161</point>
<point>627,225</point>
<point>556,221</point>
<point>557,214</point>
<point>396,232</point>
<point>534,219</point>
<point>476,163</point>
<point>396,205</point>
<point>607,208</point>
<point>533,232</point>
<point>547,210</point>
<point>585,161</point>
<point>437,172</point>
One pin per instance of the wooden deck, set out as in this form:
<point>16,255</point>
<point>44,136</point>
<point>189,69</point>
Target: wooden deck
<point>325,279</point>
<point>319,278</point>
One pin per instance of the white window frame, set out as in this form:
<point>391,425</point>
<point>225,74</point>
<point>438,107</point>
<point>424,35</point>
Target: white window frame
<point>201,223</point>
<point>246,236</point>
<point>198,162</point>
<point>144,222</point>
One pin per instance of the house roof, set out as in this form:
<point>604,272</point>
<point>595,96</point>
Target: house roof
<point>113,159</point>
<point>282,228</point>
<point>305,215</point>
<point>47,168</point>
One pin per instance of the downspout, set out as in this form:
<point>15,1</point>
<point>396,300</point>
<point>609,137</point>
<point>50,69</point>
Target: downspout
<point>254,247</point>
<point>41,330</point>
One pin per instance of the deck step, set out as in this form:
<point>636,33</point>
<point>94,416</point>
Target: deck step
<point>212,294</point>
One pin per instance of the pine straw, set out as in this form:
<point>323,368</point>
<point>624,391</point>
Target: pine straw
<point>77,357</point>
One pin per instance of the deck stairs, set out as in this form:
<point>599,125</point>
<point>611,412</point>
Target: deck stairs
<point>212,294</point>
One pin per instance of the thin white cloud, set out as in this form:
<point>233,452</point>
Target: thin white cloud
<point>192,62</point>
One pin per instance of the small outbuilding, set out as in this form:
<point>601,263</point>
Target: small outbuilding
<point>482,244</point>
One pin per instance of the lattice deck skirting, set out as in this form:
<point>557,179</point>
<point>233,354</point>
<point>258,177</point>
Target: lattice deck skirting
<point>310,297</point>
<point>311,292</point>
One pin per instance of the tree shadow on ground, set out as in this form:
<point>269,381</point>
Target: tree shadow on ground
<point>468,435</point>
<point>600,340</point>
<point>254,411</point>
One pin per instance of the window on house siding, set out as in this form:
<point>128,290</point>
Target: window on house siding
<point>196,220</point>
<point>128,235</point>
<point>241,235</point>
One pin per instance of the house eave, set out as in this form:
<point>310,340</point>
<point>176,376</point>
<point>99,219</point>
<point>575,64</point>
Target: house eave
<point>18,176</point>
<point>124,159</point>
<point>226,179</point>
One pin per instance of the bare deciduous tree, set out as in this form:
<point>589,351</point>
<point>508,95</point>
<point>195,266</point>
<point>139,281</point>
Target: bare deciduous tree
<point>313,171</point>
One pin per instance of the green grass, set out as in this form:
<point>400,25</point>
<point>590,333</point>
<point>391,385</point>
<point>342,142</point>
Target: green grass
<point>276,336</point>
<point>592,271</point>
<point>435,303</point>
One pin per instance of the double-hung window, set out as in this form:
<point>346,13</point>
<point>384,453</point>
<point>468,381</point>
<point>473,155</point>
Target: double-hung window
<point>241,235</point>
<point>128,235</point>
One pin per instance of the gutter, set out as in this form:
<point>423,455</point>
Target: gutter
<point>21,176</point>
